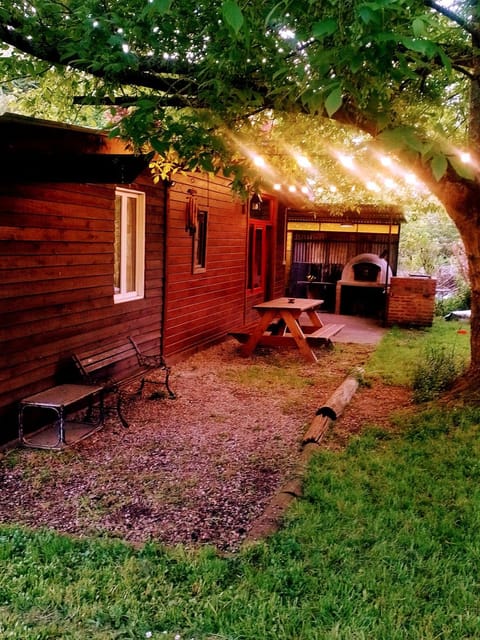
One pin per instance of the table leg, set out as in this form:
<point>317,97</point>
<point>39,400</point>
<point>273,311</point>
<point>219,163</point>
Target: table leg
<point>59,421</point>
<point>314,318</point>
<point>297,334</point>
<point>20,423</point>
<point>61,424</point>
<point>266,318</point>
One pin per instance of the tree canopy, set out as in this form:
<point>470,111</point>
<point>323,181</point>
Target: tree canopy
<point>191,80</point>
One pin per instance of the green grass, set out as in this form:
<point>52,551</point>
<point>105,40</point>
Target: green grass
<point>401,350</point>
<point>384,545</point>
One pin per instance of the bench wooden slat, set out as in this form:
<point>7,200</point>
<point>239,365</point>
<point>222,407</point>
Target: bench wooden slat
<point>325,333</point>
<point>100,359</point>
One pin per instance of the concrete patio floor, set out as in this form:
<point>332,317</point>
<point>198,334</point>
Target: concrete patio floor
<point>357,330</point>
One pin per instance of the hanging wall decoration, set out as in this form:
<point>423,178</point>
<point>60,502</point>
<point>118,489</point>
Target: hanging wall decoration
<point>191,212</point>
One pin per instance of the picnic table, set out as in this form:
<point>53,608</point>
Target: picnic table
<point>291,311</point>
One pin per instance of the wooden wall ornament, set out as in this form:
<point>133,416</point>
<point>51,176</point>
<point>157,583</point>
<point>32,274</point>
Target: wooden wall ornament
<point>191,212</point>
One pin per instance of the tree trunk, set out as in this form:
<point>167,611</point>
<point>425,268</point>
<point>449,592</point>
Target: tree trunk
<point>461,199</point>
<point>462,202</point>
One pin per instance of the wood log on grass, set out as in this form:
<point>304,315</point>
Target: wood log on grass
<point>333,408</point>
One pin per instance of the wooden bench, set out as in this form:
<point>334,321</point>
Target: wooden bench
<point>324,334</point>
<point>94,368</point>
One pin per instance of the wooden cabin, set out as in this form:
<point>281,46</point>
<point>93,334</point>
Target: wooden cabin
<point>93,251</point>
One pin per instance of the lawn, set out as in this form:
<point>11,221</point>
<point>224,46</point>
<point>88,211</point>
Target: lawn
<point>384,545</point>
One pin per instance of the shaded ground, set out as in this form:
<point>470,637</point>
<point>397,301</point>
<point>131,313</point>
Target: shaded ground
<point>199,469</point>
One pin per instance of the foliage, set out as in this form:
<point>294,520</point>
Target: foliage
<point>189,76</point>
<point>460,301</point>
<point>436,372</point>
<point>428,240</point>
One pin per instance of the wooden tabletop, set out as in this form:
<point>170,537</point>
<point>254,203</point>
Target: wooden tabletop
<point>297,304</point>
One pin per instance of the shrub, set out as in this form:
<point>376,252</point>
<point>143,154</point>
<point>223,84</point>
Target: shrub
<point>460,300</point>
<point>435,372</point>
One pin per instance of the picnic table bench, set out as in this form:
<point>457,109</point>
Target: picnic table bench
<point>324,335</point>
<point>93,367</point>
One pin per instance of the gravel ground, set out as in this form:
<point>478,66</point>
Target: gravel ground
<point>197,470</point>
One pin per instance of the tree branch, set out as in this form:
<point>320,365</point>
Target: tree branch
<point>454,17</point>
<point>178,101</point>
<point>149,79</point>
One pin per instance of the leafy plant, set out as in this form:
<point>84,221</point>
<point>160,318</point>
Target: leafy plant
<point>459,301</point>
<point>436,372</point>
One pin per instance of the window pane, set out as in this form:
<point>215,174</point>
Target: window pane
<point>251,246</point>
<point>200,242</point>
<point>131,244</point>
<point>117,245</point>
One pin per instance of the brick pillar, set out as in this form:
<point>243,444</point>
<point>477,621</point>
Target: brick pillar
<point>411,301</point>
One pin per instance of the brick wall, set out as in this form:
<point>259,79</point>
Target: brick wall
<point>411,301</point>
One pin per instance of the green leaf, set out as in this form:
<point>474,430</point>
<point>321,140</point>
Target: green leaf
<point>393,139</point>
<point>447,63</point>
<point>419,45</point>
<point>232,14</point>
<point>367,15</point>
<point>324,28</point>
<point>334,101</point>
<point>439,166</point>
<point>418,27</point>
<point>461,169</point>
<point>272,13</point>
<point>161,6</point>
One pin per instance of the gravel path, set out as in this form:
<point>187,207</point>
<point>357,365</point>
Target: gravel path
<point>197,470</point>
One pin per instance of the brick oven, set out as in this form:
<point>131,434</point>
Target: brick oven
<point>363,286</point>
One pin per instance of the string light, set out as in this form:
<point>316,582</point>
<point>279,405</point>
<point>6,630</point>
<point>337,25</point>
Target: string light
<point>303,162</point>
<point>259,161</point>
<point>347,161</point>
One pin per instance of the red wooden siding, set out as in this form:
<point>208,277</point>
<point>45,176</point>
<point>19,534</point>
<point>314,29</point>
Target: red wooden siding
<point>56,281</point>
<point>202,307</point>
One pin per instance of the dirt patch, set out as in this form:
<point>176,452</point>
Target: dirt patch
<point>199,469</point>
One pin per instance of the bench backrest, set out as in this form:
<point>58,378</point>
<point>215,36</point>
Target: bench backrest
<point>91,363</point>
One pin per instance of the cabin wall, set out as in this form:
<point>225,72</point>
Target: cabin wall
<point>56,283</point>
<point>56,286</point>
<point>201,308</point>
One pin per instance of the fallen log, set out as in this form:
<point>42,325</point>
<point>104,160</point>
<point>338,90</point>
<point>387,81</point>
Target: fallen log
<point>340,398</point>
<point>317,430</point>
<point>332,409</point>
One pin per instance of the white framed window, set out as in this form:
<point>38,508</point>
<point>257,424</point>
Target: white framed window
<point>129,245</point>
